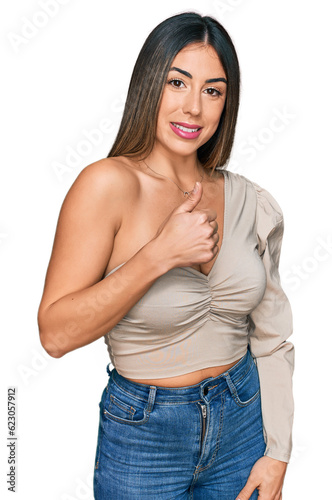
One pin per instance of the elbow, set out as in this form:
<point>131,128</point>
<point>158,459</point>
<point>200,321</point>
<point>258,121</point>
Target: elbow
<point>50,346</point>
<point>53,343</point>
<point>56,339</point>
<point>54,353</point>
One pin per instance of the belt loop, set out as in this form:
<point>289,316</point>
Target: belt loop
<point>230,384</point>
<point>152,397</point>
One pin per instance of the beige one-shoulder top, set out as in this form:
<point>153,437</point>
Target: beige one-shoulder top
<point>187,320</point>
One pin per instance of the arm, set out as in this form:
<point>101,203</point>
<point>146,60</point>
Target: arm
<point>270,327</point>
<point>76,307</point>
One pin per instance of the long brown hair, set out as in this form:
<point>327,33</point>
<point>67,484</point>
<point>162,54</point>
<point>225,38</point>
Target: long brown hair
<point>136,135</point>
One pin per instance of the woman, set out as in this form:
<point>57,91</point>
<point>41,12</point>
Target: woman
<point>183,283</point>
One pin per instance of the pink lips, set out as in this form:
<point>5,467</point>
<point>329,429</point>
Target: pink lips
<point>184,134</point>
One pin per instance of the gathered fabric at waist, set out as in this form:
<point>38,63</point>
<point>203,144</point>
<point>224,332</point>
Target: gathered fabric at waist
<point>212,344</point>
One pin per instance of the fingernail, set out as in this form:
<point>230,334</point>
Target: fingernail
<point>195,187</point>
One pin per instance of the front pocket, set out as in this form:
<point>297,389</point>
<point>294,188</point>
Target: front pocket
<point>128,412</point>
<point>120,409</point>
<point>241,403</point>
<point>246,390</point>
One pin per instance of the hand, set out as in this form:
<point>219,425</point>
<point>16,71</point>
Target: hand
<point>268,476</point>
<point>186,236</point>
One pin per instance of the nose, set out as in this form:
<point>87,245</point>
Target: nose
<point>192,103</point>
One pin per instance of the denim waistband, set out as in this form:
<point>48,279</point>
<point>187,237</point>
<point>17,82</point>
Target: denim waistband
<point>207,389</point>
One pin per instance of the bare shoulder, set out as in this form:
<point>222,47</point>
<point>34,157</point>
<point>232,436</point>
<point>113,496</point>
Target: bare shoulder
<point>89,219</point>
<point>108,177</point>
<point>103,187</point>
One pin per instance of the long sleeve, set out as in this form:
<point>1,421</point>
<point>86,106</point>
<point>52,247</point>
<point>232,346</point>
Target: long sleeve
<point>270,325</point>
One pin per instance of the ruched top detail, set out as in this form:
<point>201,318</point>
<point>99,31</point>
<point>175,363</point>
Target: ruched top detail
<point>188,321</point>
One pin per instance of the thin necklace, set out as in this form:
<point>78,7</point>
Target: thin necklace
<point>185,193</point>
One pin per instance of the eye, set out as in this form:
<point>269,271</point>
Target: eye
<point>175,82</point>
<point>213,92</point>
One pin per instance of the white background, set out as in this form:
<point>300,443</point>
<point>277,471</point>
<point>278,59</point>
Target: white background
<point>59,81</point>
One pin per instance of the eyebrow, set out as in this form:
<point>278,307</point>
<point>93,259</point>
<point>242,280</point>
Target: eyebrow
<point>185,73</point>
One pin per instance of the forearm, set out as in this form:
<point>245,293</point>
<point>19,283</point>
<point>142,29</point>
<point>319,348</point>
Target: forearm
<point>275,372</point>
<point>84,316</point>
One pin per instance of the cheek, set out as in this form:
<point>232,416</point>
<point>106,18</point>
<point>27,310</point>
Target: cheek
<point>218,109</point>
<point>215,115</point>
<point>169,102</point>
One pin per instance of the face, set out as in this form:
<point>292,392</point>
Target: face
<point>193,100</point>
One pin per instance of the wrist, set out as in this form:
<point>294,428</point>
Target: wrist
<point>155,257</point>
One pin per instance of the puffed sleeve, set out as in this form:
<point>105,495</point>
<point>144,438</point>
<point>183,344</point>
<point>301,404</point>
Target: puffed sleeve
<point>270,325</point>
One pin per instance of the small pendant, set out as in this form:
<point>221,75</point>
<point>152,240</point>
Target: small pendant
<point>186,193</point>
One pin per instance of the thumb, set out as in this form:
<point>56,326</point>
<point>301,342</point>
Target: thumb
<point>246,492</point>
<point>193,199</point>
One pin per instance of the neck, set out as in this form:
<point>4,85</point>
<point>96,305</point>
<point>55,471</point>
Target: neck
<point>184,170</point>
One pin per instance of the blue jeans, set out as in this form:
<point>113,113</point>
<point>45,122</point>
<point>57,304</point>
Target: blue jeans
<point>194,442</point>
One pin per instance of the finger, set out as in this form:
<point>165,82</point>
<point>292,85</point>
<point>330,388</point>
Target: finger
<point>215,249</point>
<point>214,225</point>
<point>212,215</point>
<point>215,238</point>
<point>247,491</point>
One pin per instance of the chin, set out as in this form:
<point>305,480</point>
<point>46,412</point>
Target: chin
<point>183,150</point>
<point>182,147</point>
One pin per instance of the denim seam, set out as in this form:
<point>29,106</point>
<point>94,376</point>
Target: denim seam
<point>218,394</point>
<point>206,431</point>
<point>134,396</point>
<point>194,481</point>
<point>177,403</point>
<point>242,404</point>
<point>130,409</point>
<point>99,450</point>
<point>236,381</point>
<point>221,421</point>
<point>167,403</point>
<point>111,417</point>
<point>102,436</point>
<point>235,396</point>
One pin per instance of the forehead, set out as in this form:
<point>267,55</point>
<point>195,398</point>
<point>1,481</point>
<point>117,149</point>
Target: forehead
<point>199,58</point>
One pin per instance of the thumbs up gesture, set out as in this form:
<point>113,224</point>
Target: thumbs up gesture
<point>188,237</point>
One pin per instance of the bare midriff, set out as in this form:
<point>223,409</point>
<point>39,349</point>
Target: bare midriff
<point>188,378</point>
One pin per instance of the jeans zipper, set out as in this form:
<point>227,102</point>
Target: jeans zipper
<point>203,407</point>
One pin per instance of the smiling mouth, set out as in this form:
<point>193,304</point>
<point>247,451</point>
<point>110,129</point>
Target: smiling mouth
<point>185,129</point>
